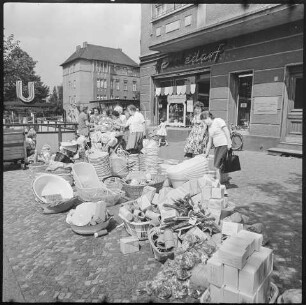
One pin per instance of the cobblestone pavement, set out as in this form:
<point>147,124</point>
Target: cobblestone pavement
<point>51,263</point>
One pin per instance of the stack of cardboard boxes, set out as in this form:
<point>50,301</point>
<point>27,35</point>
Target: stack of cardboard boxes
<point>240,270</point>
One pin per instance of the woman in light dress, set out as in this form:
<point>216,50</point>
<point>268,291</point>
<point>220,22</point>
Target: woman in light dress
<point>162,132</point>
<point>196,141</point>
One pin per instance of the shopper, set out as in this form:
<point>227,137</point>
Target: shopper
<point>219,136</point>
<point>136,124</point>
<point>95,117</point>
<point>83,122</point>
<point>162,132</point>
<point>121,115</point>
<point>197,139</point>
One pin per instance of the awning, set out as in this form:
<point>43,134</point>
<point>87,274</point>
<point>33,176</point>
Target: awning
<point>175,90</point>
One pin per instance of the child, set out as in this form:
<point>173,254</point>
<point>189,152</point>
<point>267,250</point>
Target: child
<point>162,132</point>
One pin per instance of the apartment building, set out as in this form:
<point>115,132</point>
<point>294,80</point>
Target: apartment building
<point>99,76</point>
<point>244,62</point>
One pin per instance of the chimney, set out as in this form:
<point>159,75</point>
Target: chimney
<point>84,44</point>
<point>78,48</point>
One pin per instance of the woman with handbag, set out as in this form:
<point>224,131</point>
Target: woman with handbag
<point>219,136</point>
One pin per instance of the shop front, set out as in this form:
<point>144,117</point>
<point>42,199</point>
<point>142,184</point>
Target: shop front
<point>251,81</point>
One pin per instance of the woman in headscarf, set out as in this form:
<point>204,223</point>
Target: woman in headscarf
<point>196,141</point>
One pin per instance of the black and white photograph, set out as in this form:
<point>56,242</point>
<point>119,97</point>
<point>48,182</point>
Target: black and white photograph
<point>152,152</point>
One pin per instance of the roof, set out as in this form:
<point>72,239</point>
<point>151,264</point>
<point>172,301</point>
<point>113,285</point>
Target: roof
<point>93,52</point>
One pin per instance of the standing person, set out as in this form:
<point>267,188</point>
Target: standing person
<point>83,122</point>
<point>136,124</point>
<point>121,115</point>
<point>196,141</point>
<point>95,117</point>
<point>162,132</point>
<point>219,136</point>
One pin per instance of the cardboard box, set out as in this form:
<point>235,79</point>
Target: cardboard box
<point>245,298</point>
<point>129,244</point>
<point>251,275</point>
<point>247,244</point>
<point>232,256</point>
<point>215,273</point>
<point>230,277</point>
<point>263,291</point>
<point>144,203</point>
<point>163,194</point>
<point>231,228</point>
<point>149,192</point>
<point>197,232</point>
<point>217,192</point>
<point>257,238</point>
<point>206,192</point>
<point>216,294</point>
<point>193,187</point>
<point>206,180</point>
<point>166,214</point>
<point>155,199</point>
<point>215,183</point>
<point>216,203</point>
<point>230,295</point>
<point>216,214</point>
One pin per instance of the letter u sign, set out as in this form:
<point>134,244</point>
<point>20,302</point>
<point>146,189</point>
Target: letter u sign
<point>30,90</point>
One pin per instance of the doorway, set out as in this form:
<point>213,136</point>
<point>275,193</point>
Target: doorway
<point>203,85</point>
<point>293,105</point>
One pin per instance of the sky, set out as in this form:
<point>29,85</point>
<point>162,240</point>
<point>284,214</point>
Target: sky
<point>50,32</point>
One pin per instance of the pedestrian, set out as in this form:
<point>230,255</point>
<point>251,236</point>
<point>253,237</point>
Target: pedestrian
<point>197,139</point>
<point>219,136</point>
<point>136,124</point>
<point>31,142</point>
<point>121,115</point>
<point>162,132</point>
<point>95,117</point>
<point>83,121</point>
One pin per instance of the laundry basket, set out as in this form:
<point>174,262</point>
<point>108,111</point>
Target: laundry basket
<point>85,175</point>
<point>53,184</point>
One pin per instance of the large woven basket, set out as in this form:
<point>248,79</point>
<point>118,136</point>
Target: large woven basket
<point>136,229</point>
<point>111,197</point>
<point>160,256</point>
<point>135,191</point>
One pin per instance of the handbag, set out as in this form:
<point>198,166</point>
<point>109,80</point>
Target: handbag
<point>231,163</point>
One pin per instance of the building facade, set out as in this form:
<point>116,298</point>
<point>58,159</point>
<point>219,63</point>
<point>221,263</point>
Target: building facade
<point>94,74</point>
<point>245,63</point>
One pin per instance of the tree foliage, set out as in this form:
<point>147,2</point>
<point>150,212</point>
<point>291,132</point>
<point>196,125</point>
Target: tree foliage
<point>19,65</point>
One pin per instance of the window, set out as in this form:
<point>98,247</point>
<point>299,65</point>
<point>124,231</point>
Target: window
<point>105,84</point>
<point>98,83</point>
<point>160,9</point>
<point>112,84</point>
<point>74,84</point>
<point>125,85</point>
<point>117,85</point>
<point>188,20</point>
<point>158,31</point>
<point>134,87</point>
<point>112,97</point>
<point>172,26</point>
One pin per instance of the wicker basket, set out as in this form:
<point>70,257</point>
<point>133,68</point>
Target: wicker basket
<point>111,197</point>
<point>160,256</point>
<point>113,183</point>
<point>136,229</point>
<point>135,191</point>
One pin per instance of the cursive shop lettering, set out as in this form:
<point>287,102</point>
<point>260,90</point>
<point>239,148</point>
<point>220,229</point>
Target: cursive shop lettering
<point>198,58</point>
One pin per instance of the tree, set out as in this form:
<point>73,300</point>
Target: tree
<point>19,65</point>
<point>56,98</point>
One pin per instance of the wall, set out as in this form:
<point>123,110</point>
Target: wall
<point>266,54</point>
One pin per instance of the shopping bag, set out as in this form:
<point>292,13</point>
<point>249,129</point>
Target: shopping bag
<point>230,163</point>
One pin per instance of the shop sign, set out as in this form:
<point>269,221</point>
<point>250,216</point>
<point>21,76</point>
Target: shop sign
<point>265,105</point>
<point>189,57</point>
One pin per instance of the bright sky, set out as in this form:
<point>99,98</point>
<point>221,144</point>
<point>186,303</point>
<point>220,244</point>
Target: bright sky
<point>50,32</point>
